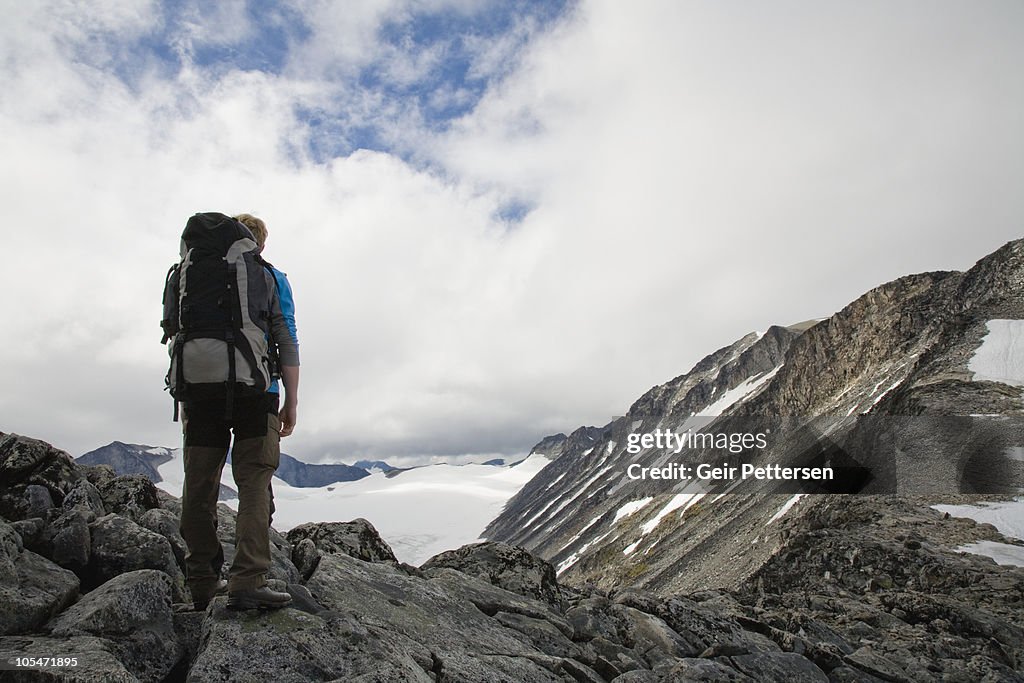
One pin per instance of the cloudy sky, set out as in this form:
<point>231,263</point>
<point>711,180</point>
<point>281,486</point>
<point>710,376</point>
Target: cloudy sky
<point>501,219</point>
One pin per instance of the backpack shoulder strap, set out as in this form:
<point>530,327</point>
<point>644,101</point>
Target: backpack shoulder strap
<point>169,323</point>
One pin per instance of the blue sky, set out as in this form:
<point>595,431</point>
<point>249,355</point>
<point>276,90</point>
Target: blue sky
<point>430,62</point>
<point>501,220</point>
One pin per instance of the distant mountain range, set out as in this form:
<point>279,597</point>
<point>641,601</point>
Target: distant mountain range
<point>371,465</point>
<point>145,460</point>
<point>419,510</point>
<point>303,475</point>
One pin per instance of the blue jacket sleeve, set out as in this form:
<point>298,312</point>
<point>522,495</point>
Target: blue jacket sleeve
<point>283,321</point>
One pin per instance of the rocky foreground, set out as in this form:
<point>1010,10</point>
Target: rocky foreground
<point>865,589</point>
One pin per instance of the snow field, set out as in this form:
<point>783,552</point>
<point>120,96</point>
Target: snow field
<point>1006,516</point>
<point>1000,358</point>
<point>418,512</point>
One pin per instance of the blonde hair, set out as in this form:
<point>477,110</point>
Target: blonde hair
<point>256,226</point>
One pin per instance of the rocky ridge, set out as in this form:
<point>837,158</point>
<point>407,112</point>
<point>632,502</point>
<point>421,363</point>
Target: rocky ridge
<point>852,600</point>
<point>883,388</point>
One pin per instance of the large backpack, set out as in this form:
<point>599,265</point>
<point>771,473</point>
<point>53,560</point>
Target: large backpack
<point>217,313</point>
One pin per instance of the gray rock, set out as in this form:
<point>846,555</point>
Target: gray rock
<point>93,660</point>
<point>506,566</point>
<point>281,566</point>
<point>358,539</point>
<point>71,547</point>
<point>67,541</point>
<point>459,666</point>
<point>612,659</point>
<point>133,612</point>
<point>702,671</point>
<point>30,530</point>
<point>188,628</point>
<point>652,637</point>
<point>579,672</point>
<point>302,599</point>
<point>867,660</point>
<point>779,666</point>
<point>38,501</point>
<point>120,545</point>
<point>696,624</point>
<point>592,618</point>
<point>168,502</point>
<point>32,589</point>
<point>97,474</point>
<point>306,557</point>
<point>21,457</point>
<point>490,599</point>
<point>85,496</point>
<point>289,645</point>
<point>639,676</point>
<point>25,462</point>
<point>446,614</point>
<point>846,674</point>
<point>544,635</point>
<point>166,523</point>
<point>130,495</point>
<point>11,546</point>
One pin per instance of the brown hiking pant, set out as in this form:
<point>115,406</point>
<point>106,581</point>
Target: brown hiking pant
<point>254,458</point>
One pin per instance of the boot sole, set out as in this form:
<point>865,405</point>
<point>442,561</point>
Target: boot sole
<point>240,605</point>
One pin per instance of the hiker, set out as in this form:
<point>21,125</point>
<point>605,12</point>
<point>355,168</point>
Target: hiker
<point>231,318</point>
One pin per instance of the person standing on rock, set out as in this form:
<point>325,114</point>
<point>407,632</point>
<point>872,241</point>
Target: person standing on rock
<point>231,318</point>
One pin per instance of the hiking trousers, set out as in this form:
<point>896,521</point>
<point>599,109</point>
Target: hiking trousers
<point>255,456</point>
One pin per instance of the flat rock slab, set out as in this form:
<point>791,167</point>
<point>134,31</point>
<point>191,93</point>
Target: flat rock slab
<point>93,659</point>
<point>288,645</point>
<point>133,612</point>
<point>779,666</point>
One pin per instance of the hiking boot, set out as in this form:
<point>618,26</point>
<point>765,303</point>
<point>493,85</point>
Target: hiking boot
<point>258,598</point>
<point>200,602</point>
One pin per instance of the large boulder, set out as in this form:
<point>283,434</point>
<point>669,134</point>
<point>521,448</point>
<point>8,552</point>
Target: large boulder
<point>67,540</point>
<point>120,545</point>
<point>167,524</point>
<point>687,670</point>
<point>32,589</point>
<point>358,539</point>
<point>130,495</point>
<point>85,659</point>
<point>25,463</point>
<point>455,618</point>
<point>133,612</point>
<point>704,627</point>
<point>30,530</point>
<point>85,497</point>
<point>509,567</point>
<point>38,501</point>
<point>779,666</point>
<point>289,645</point>
<point>188,626</point>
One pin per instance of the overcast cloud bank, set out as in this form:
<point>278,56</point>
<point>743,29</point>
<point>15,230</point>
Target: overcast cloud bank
<point>500,221</point>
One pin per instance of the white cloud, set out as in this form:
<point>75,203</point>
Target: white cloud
<point>221,23</point>
<point>696,172</point>
<point>343,37</point>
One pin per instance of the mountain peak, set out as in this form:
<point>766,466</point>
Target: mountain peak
<point>874,385</point>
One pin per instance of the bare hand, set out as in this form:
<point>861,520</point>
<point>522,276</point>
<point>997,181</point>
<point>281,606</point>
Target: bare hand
<point>287,415</point>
